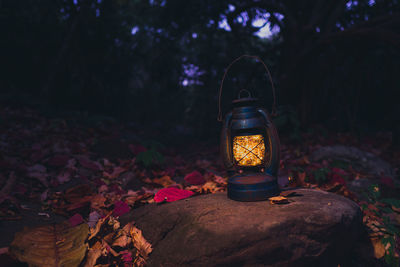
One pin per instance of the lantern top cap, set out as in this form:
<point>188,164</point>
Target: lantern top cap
<point>246,100</point>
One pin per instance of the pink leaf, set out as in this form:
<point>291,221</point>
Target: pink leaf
<point>194,178</point>
<point>171,194</point>
<point>94,216</point>
<point>126,256</point>
<point>120,208</point>
<point>75,220</point>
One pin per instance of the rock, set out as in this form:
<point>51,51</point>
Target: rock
<point>316,229</point>
<point>359,159</point>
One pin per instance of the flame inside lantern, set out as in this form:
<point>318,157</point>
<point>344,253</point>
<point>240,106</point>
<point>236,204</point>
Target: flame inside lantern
<point>249,150</point>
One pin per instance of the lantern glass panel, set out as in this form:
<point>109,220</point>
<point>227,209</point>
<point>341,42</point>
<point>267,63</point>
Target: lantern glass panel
<point>249,150</point>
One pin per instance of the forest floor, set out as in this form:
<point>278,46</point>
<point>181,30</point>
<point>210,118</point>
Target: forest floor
<point>75,171</point>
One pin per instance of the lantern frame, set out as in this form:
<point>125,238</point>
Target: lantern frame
<point>247,118</point>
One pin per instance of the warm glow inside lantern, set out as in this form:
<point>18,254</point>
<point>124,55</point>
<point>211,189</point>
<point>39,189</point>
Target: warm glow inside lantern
<point>250,150</point>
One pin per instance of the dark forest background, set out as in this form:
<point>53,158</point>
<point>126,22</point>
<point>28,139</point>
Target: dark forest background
<point>335,63</point>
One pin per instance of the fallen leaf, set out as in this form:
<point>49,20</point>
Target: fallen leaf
<point>97,202</point>
<point>171,194</point>
<point>120,208</point>
<point>115,173</point>
<point>89,164</point>
<point>278,200</point>
<point>77,192</point>
<point>123,238</point>
<point>63,177</point>
<point>51,245</point>
<point>78,203</point>
<point>164,181</point>
<point>75,220</point>
<point>94,216</point>
<point>139,242</point>
<point>220,180</point>
<point>100,222</point>
<point>93,254</point>
<point>194,178</point>
<point>336,178</point>
<point>126,256</point>
<point>379,248</point>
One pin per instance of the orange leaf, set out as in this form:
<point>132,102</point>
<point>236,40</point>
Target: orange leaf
<point>165,181</point>
<point>278,200</point>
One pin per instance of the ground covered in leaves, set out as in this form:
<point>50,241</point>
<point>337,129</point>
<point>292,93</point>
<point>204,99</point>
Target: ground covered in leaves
<point>83,173</point>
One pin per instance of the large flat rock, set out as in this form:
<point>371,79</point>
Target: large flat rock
<point>317,229</point>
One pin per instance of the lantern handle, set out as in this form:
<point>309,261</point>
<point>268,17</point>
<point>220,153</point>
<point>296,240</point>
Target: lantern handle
<point>273,111</point>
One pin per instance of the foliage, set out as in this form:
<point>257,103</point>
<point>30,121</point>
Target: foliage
<point>131,58</point>
<point>385,226</point>
<point>287,121</point>
<point>58,245</point>
<point>150,156</point>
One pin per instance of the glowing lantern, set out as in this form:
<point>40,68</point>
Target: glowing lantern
<point>249,147</point>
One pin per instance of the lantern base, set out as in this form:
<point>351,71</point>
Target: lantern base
<point>252,187</point>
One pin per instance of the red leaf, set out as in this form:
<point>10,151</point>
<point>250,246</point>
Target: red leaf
<point>194,178</point>
<point>120,208</point>
<point>126,256</point>
<point>136,149</point>
<point>336,178</point>
<point>75,220</point>
<point>339,171</point>
<point>171,194</point>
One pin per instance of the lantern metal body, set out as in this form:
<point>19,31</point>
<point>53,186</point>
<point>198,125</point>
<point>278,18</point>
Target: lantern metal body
<point>255,161</point>
<point>250,150</point>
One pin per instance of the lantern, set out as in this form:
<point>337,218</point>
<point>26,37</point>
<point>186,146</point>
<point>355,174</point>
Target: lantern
<point>249,147</point>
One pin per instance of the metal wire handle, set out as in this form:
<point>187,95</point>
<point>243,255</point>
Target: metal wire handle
<point>273,111</point>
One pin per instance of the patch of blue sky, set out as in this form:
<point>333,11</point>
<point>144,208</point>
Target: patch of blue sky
<point>134,30</point>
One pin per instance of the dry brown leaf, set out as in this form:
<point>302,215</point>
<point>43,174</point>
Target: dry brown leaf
<point>123,237</point>
<point>278,200</point>
<point>379,248</point>
<point>164,181</point>
<point>139,261</point>
<point>76,192</point>
<point>109,238</point>
<point>93,254</point>
<point>100,222</point>
<point>139,242</point>
<point>114,223</point>
<point>123,240</point>
<point>51,245</point>
<point>97,202</point>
